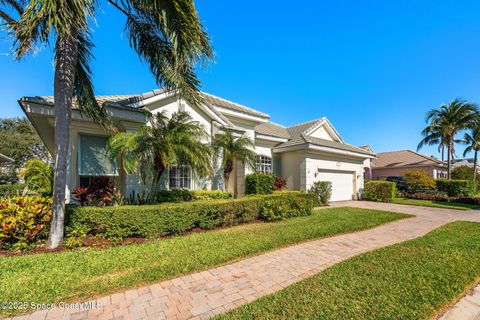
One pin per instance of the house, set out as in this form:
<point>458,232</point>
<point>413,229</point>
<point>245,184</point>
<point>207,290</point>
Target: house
<point>301,154</point>
<point>463,162</point>
<point>395,163</point>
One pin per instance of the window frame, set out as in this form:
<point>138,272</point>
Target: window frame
<point>263,162</point>
<point>186,181</point>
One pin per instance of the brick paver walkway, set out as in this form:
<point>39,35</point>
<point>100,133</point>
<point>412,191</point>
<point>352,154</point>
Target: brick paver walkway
<point>203,294</point>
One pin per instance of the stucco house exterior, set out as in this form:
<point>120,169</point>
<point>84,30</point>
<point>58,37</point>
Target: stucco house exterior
<point>395,163</point>
<point>301,154</point>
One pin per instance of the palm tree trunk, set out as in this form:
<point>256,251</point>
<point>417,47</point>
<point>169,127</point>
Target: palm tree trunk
<point>475,165</point>
<point>65,62</point>
<point>449,156</point>
<point>443,152</point>
<point>226,174</point>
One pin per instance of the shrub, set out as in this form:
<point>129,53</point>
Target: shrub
<point>323,190</point>
<point>428,196</point>
<point>279,184</point>
<point>211,194</point>
<point>418,181</point>
<point>457,188</point>
<point>462,173</point>
<point>38,176</point>
<point>10,190</point>
<point>24,220</point>
<point>99,193</point>
<point>380,190</point>
<point>259,183</point>
<point>182,195</point>
<point>177,218</point>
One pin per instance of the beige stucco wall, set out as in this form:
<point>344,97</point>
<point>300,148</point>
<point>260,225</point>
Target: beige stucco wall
<point>293,169</point>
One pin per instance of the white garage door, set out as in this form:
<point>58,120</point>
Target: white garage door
<point>342,184</point>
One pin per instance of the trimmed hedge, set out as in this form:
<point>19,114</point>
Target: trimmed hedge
<point>380,190</point>
<point>444,198</point>
<point>457,188</point>
<point>259,183</point>
<point>11,190</point>
<point>173,219</point>
<point>181,195</point>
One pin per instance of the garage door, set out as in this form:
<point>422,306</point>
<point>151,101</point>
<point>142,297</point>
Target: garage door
<point>342,184</point>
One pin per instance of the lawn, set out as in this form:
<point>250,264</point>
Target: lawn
<point>410,280</point>
<point>435,204</point>
<point>74,275</point>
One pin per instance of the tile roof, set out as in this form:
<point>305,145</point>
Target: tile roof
<point>220,102</point>
<point>272,129</point>
<point>127,100</point>
<point>403,158</point>
<point>298,136</point>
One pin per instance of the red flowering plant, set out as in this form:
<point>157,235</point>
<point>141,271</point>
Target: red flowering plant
<point>99,192</point>
<point>279,184</point>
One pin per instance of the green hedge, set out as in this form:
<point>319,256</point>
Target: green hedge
<point>457,188</point>
<point>259,183</point>
<point>181,195</point>
<point>380,190</point>
<point>173,219</point>
<point>11,189</point>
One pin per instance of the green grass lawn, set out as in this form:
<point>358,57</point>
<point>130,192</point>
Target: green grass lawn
<point>67,276</point>
<point>435,204</point>
<point>410,280</point>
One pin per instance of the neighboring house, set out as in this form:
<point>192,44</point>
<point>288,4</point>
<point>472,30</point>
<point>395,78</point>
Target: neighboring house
<point>301,154</point>
<point>395,163</point>
<point>463,162</point>
<point>5,163</point>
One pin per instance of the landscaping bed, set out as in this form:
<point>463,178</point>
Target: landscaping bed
<point>85,273</point>
<point>415,279</point>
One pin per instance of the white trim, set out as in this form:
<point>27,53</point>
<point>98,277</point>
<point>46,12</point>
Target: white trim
<point>240,115</point>
<point>271,138</point>
<point>152,99</point>
<point>330,128</point>
<point>323,149</point>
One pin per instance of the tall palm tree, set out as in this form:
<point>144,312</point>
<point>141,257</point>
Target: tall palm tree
<point>472,139</point>
<point>166,34</point>
<point>445,122</point>
<point>231,149</point>
<point>152,149</point>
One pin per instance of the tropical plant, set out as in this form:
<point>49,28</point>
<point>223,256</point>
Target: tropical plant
<point>166,141</point>
<point>462,173</point>
<point>418,180</point>
<point>472,140</point>
<point>167,35</point>
<point>38,175</point>
<point>231,149</point>
<point>444,124</point>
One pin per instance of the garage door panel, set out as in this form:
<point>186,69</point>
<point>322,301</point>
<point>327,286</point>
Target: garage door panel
<point>342,184</point>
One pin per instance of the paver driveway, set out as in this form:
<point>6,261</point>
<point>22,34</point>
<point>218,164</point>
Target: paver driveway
<point>203,294</point>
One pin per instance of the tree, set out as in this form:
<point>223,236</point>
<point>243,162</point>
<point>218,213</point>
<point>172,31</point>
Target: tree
<point>419,181</point>
<point>462,173</point>
<point>152,149</point>
<point>472,139</point>
<point>232,149</point>
<point>20,141</point>
<point>445,123</point>
<point>166,34</point>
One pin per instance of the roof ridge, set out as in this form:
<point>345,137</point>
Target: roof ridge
<point>303,123</point>
<point>235,103</point>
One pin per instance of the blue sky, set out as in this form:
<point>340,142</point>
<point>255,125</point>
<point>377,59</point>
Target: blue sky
<point>372,67</point>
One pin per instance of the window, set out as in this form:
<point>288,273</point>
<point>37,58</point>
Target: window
<point>93,160</point>
<point>180,177</point>
<point>264,164</point>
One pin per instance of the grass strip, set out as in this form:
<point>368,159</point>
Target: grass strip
<point>411,280</point>
<point>75,275</point>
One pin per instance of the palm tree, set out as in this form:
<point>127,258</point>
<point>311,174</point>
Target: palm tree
<point>152,149</point>
<point>472,139</point>
<point>232,149</point>
<point>166,34</point>
<point>444,124</point>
